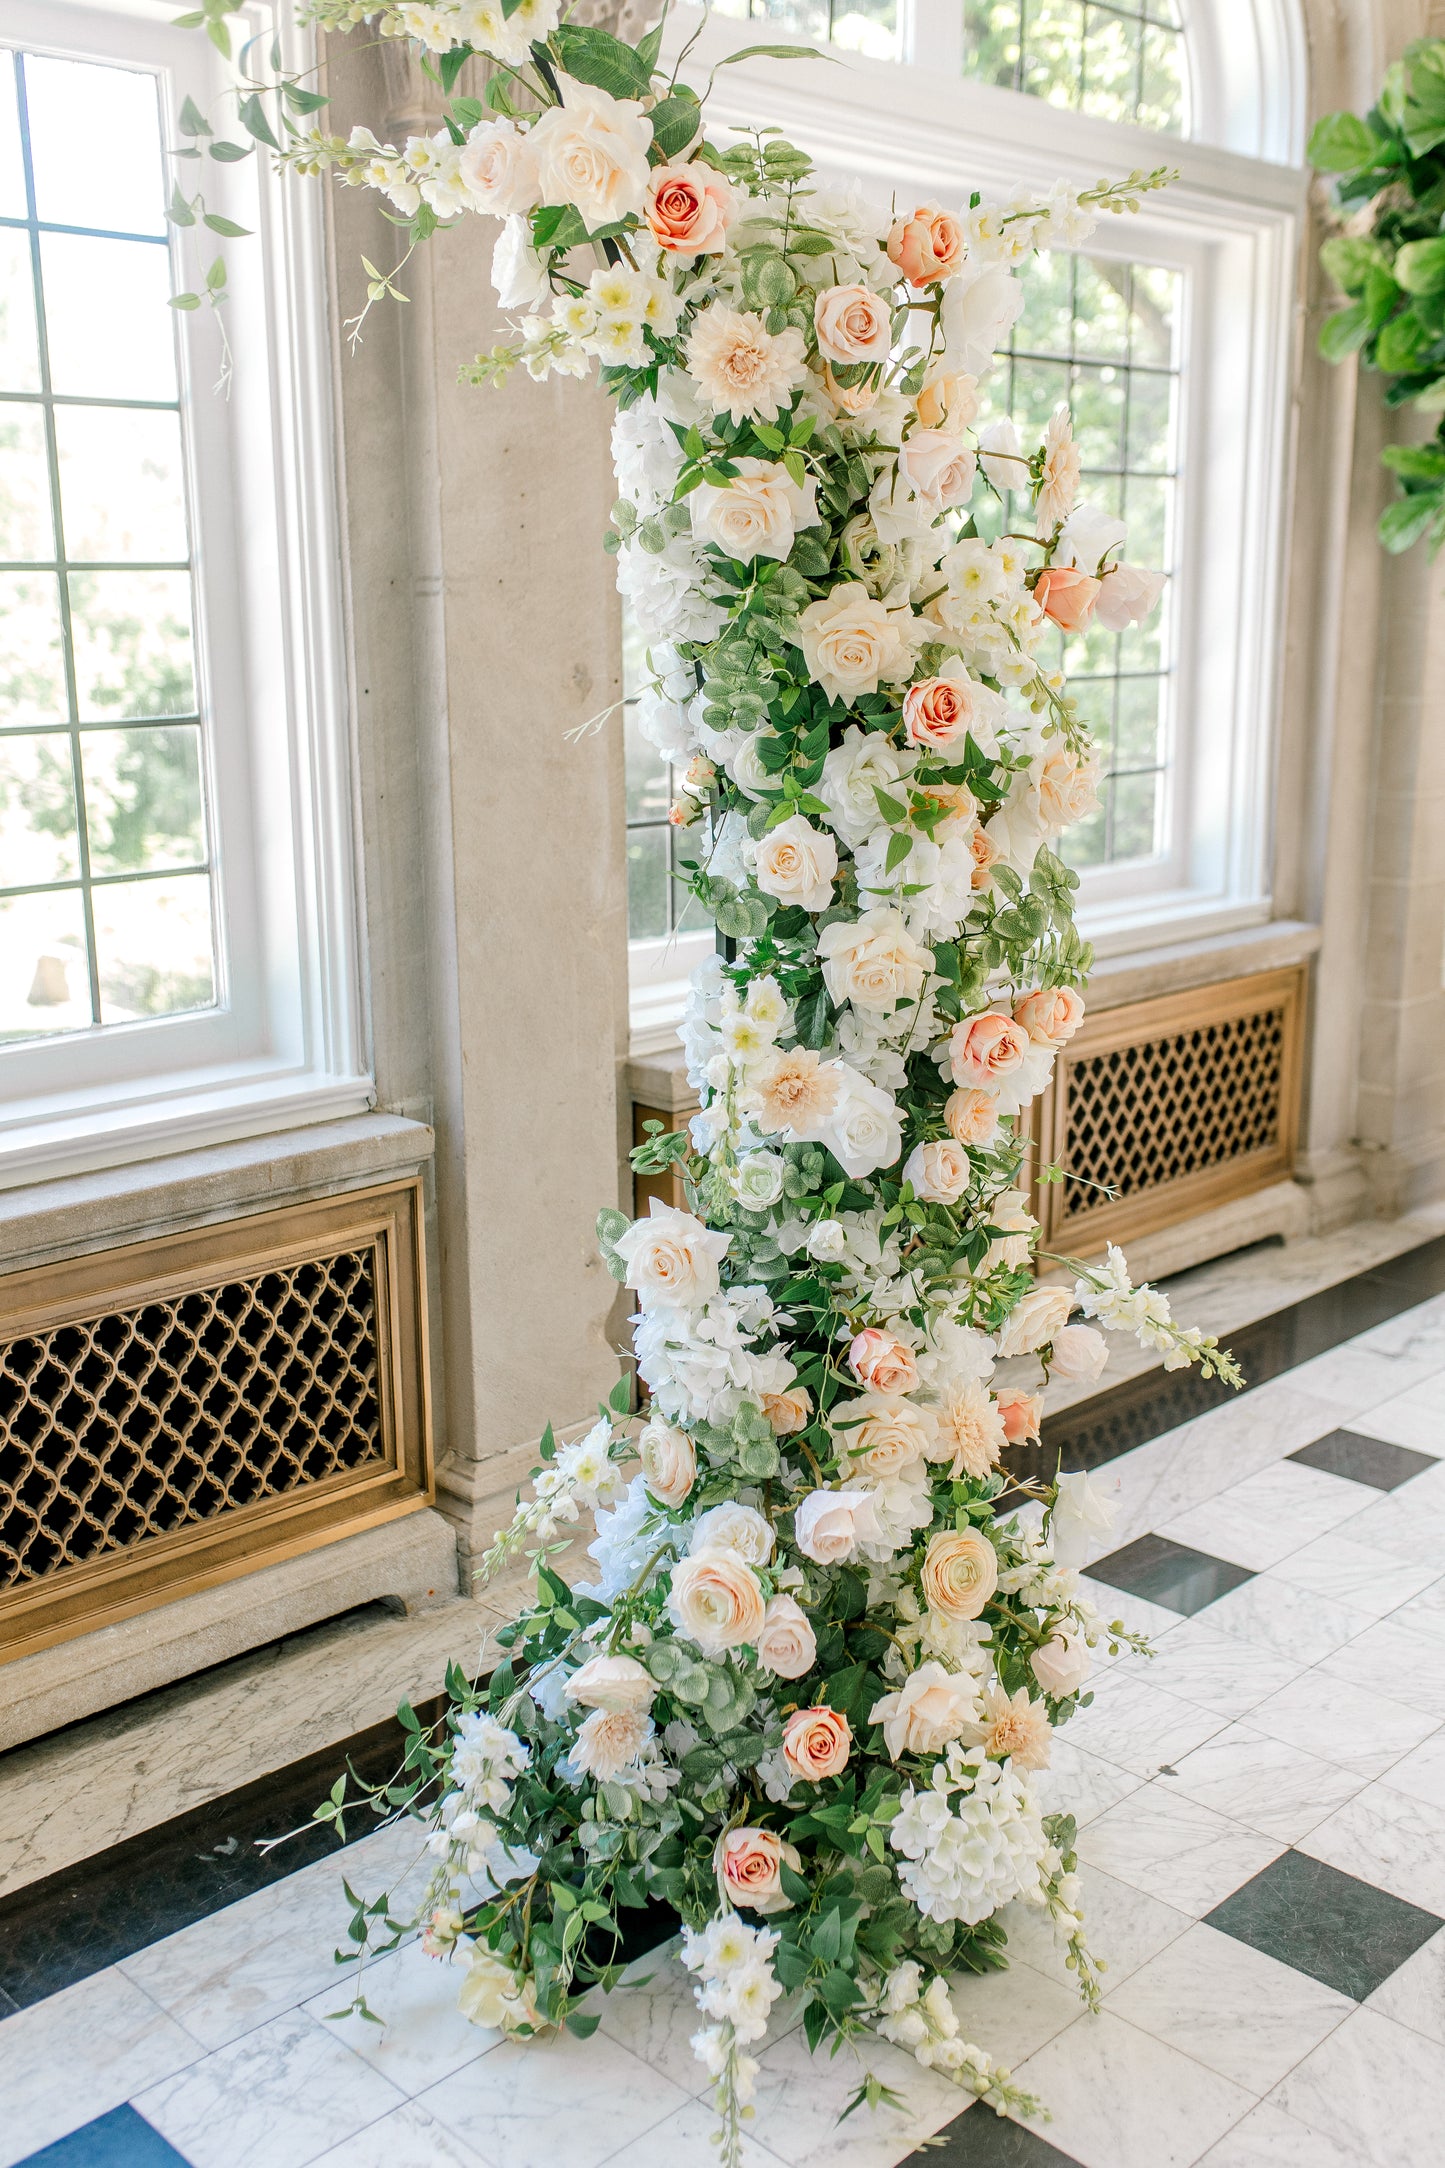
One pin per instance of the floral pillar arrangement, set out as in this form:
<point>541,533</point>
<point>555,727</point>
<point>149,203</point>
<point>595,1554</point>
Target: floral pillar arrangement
<point>806,1694</point>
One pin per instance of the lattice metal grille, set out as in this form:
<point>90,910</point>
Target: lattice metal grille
<point>141,1422</point>
<point>1143,1116</point>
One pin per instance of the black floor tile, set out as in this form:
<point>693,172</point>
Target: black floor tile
<point>981,2139</point>
<point>121,2139</point>
<point>1169,1573</point>
<point>1347,1933</point>
<point>1364,1460</point>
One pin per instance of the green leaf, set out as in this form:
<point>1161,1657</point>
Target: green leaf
<point>1402,340</point>
<point>1416,462</point>
<point>775,52</point>
<point>303,101</point>
<point>220,37</point>
<point>1341,142</point>
<point>179,212</point>
<point>225,226</point>
<point>184,301</point>
<point>450,65</point>
<point>1349,259</point>
<point>192,121</point>
<point>252,116</point>
<point>216,276</point>
<point>1403,524</point>
<point>1344,332</point>
<point>595,56</point>
<point>675,121</point>
<point>900,843</point>
<point>230,154</point>
<point>1420,267</point>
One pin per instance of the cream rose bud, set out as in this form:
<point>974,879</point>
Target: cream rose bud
<point>755,514</point>
<point>669,1462</point>
<point>1081,1517</point>
<point>760,1180</point>
<point>827,1240</point>
<point>786,1643</point>
<point>715,1600</point>
<point>499,168</point>
<point>1126,597</point>
<point>789,1411</point>
<point>939,1172</point>
<point>881,1361</point>
<point>873,962</point>
<point>591,151</point>
<point>1051,1015</point>
<point>828,1526</point>
<point>852,643</point>
<point>1080,1355</point>
<point>672,1259</point>
<point>1062,1664</point>
<point>1034,1320</point>
<point>750,1863</point>
<point>959,1573</point>
<point>930,1708</point>
<point>852,325</point>
<point>795,862</point>
<point>736,1528</point>
<point>611,1682</point>
<point>972,1117</point>
<point>816,1743</point>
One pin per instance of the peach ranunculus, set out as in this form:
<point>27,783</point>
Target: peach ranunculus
<point>1067,596</point>
<point>1020,1413</point>
<point>797,1091</point>
<point>612,1682</point>
<point>984,1049</point>
<point>689,208</point>
<point>591,151</point>
<point>716,1600</point>
<point>1067,788</point>
<point>669,1462</point>
<point>786,1643</point>
<point>972,1117</point>
<point>796,862</point>
<point>931,1707</point>
<point>816,1743</point>
<point>971,1435</point>
<point>1034,1319</point>
<point>948,399</point>
<point>938,711</point>
<point>928,246</point>
<point>750,1863</point>
<point>852,325</point>
<point>959,1573</point>
<point>879,1360</point>
<point>938,1171</point>
<point>881,1433</point>
<point>1051,1015</point>
<point>788,1411</point>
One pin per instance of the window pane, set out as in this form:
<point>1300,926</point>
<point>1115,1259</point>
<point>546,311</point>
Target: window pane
<point>143,804</point>
<point>72,102</point>
<point>991,41</point>
<point>862,26</point>
<point>122,488</point>
<point>132,634</point>
<point>647,883</point>
<point>867,26</point>
<point>25,528</point>
<point>153,948</point>
<point>110,332</point>
<point>1121,60</point>
<point>43,982</point>
<point>37,811</point>
<point>19,354</point>
<point>1136,805</point>
<point>12,169</point>
<point>647,783</point>
<point>32,665</point>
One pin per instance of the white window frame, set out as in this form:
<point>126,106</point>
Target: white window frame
<point>1232,223</point>
<point>286,1040</point>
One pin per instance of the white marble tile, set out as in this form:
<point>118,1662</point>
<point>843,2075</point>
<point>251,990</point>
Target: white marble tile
<point>1123,1927</point>
<point>1383,1837</point>
<point>1218,1671</point>
<point>1079,1783</point>
<point>1118,2098</point>
<point>273,2099</point>
<point>1230,2007</point>
<point>1373,2087</point>
<point>531,2104</point>
<point>1134,1612</point>
<point>1415,1335</point>
<point>1415,1994</point>
<point>801,2096</point>
<point>684,2140</point>
<point>1135,1725</point>
<point>1342,1723</point>
<point>79,2054</point>
<point>1172,1848</point>
<point>1410,1528</point>
<point>1415,1418</point>
<point>407,2138</point>
<point>1425,1614</point>
<point>1363,1374</point>
<point>1421,1774</point>
<point>1261,1520</point>
<point>1264,1782</point>
<point>1397,1650</point>
<point>1361,1576</point>
<point>1012,2013</point>
<point>423,2036</point>
<point>1272,1613</point>
<point>233,1970</point>
<point>654,2014</point>
<point>1268,2138</point>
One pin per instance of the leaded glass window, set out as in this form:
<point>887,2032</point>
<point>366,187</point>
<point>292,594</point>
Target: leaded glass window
<point>657,904</point>
<point>1123,61</point>
<point>858,26</point>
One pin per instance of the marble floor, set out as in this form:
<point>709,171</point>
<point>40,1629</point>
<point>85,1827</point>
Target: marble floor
<point>1262,1811</point>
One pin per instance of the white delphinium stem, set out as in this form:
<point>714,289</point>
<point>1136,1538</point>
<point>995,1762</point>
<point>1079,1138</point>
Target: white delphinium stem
<point>736,1988</point>
<point>1106,1292</point>
<point>925,2023</point>
<point>583,1476</point>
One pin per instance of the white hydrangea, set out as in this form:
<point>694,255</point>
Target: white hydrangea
<point>970,1842</point>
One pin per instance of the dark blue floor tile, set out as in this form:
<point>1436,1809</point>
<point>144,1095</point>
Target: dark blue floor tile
<point>1169,1573</point>
<point>981,2139</point>
<point>1364,1460</point>
<point>1310,1916</point>
<point>121,2139</point>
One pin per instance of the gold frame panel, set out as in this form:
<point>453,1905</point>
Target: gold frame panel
<point>387,1221</point>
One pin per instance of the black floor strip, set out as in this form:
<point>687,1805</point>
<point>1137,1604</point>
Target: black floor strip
<point>70,1925</point>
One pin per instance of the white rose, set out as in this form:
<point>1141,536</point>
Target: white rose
<point>862,764</point>
<point>980,307</point>
<point>828,1526</point>
<point>1127,596</point>
<point>1087,536</point>
<point>669,1462</point>
<point>1001,455</point>
<point>516,272</point>
<point>736,1528</point>
<point>671,1258</point>
<point>852,644</point>
<point>755,514</point>
<point>1079,1355</point>
<point>934,473</point>
<point>499,166</point>
<point>611,1682</point>
<point>591,151</point>
<point>873,962</point>
<point>865,1129</point>
<point>1062,1664</point>
<point>932,1707</point>
<point>787,1645</point>
<point>827,1240</point>
<point>760,1180</point>
<point>939,1172</point>
<point>1081,1514</point>
<point>1034,1320</point>
<point>795,862</point>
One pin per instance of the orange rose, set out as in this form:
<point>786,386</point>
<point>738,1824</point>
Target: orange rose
<point>1052,1015</point>
<point>816,1743</point>
<point>1067,596</point>
<point>984,1048</point>
<point>877,1359</point>
<point>960,1573</point>
<point>927,246</point>
<point>689,209</point>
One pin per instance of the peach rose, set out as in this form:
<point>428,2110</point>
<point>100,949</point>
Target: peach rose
<point>972,1117</point>
<point>611,1682</point>
<point>1066,595</point>
<point>1034,1320</point>
<point>881,1434</point>
<point>986,854</point>
<point>960,1573</point>
<point>689,208</point>
<point>930,1708</point>
<point>877,1359</point>
<point>874,962</point>
<point>948,400</point>
<point>789,1411</point>
<point>786,1644</point>
<point>816,1743</point>
<point>938,711</point>
<point>1021,1414</point>
<point>829,1525</point>
<point>853,325</point>
<point>939,1171</point>
<point>1051,1015</point>
<point>669,1462</point>
<point>1067,789</point>
<point>751,1863</point>
<point>716,1600</point>
<point>1079,1356</point>
<point>927,246</point>
<point>984,1049</point>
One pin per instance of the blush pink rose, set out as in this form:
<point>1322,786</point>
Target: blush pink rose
<point>1080,1355</point>
<point>1051,1015</point>
<point>938,711</point>
<point>1067,596</point>
<point>788,1411</point>
<point>877,1359</point>
<point>853,325</point>
<point>816,1743</point>
<point>1021,1414</point>
<point>689,209</point>
<point>927,246</point>
<point>982,1049</point>
<point>751,1863</point>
